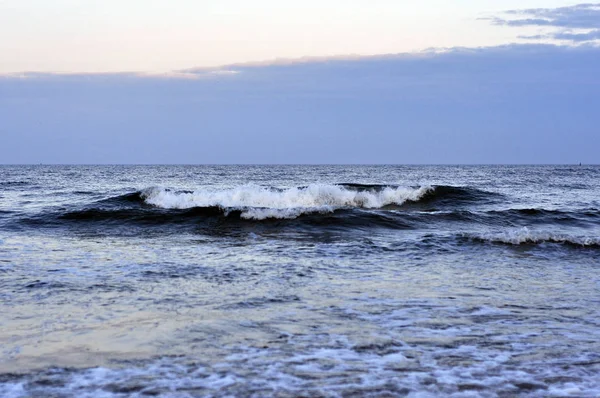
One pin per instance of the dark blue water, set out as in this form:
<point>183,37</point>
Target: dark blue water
<point>193,281</point>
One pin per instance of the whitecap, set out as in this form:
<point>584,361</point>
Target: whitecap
<point>260,203</point>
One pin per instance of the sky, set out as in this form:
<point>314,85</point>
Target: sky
<point>379,81</point>
<point>162,35</point>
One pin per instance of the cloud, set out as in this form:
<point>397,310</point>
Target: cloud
<point>200,73</point>
<point>574,24</point>
<point>579,37</point>
<point>510,104</point>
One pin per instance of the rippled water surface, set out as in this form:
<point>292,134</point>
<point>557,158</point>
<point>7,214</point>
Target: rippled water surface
<point>193,281</point>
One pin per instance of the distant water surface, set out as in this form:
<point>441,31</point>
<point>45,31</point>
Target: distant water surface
<point>193,281</point>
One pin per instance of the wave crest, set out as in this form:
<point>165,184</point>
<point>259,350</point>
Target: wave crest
<point>524,236</point>
<point>260,203</point>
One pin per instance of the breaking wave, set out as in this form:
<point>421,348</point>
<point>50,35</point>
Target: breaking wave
<point>524,236</point>
<point>322,207</point>
<point>259,203</point>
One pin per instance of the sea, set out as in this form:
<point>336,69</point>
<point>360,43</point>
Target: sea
<point>299,281</point>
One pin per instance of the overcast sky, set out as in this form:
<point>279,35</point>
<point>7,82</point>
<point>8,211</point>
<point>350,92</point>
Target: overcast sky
<point>516,82</point>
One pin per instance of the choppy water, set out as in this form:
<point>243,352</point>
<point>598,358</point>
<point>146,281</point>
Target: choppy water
<point>190,281</point>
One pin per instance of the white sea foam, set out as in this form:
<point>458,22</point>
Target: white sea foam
<point>447,348</point>
<point>336,370</point>
<point>525,235</point>
<point>261,203</point>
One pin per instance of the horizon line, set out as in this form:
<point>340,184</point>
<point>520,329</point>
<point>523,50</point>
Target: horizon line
<point>300,164</point>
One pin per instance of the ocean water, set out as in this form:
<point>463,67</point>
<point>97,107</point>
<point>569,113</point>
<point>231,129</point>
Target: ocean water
<point>311,281</point>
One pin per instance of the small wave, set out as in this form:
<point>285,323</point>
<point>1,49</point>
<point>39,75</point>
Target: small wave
<point>53,287</point>
<point>525,236</point>
<point>531,216</point>
<point>14,183</point>
<point>548,213</point>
